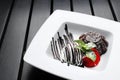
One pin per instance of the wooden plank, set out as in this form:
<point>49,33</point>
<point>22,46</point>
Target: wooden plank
<point>5,11</point>
<point>101,8</point>
<point>41,11</point>
<point>61,4</point>
<point>82,6</point>
<point>12,46</point>
<point>115,4</point>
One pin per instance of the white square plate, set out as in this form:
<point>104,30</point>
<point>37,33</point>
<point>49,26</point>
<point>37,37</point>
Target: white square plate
<point>39,55</point>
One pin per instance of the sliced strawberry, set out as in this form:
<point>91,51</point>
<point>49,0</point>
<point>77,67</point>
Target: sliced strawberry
<point>97,55</point>
<point>88,62</point>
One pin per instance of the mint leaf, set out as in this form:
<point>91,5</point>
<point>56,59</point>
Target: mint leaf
<point>82,45</point>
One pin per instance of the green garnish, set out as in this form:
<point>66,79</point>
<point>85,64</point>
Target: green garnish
<point>83,46</point>
<point>91,55</point>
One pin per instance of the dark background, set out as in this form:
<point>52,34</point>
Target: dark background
<point>21,19</point>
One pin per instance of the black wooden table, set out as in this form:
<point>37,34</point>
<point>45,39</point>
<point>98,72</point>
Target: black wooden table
<point>21,19</point>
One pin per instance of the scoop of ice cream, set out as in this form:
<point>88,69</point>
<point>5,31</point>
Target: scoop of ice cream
<point>98,39</point>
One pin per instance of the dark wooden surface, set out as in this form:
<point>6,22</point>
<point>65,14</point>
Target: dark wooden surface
<point>21,19</point>
<point>82,6</point>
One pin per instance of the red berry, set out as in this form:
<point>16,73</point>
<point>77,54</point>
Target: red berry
<point>88,62</point>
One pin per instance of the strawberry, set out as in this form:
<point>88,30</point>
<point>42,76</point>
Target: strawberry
<point>92,58</point>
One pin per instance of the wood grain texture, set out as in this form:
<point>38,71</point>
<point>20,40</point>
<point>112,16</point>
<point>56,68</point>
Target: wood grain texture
<point>82,6</point>
<point>41,11</point>
<point>116,8</point>
<point>12,46</point>
<point>5,6</point>
<point>61,4</point>
<point>102,9</point>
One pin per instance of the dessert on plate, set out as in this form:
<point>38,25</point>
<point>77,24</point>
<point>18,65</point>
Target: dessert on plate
<point>85,51</point>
